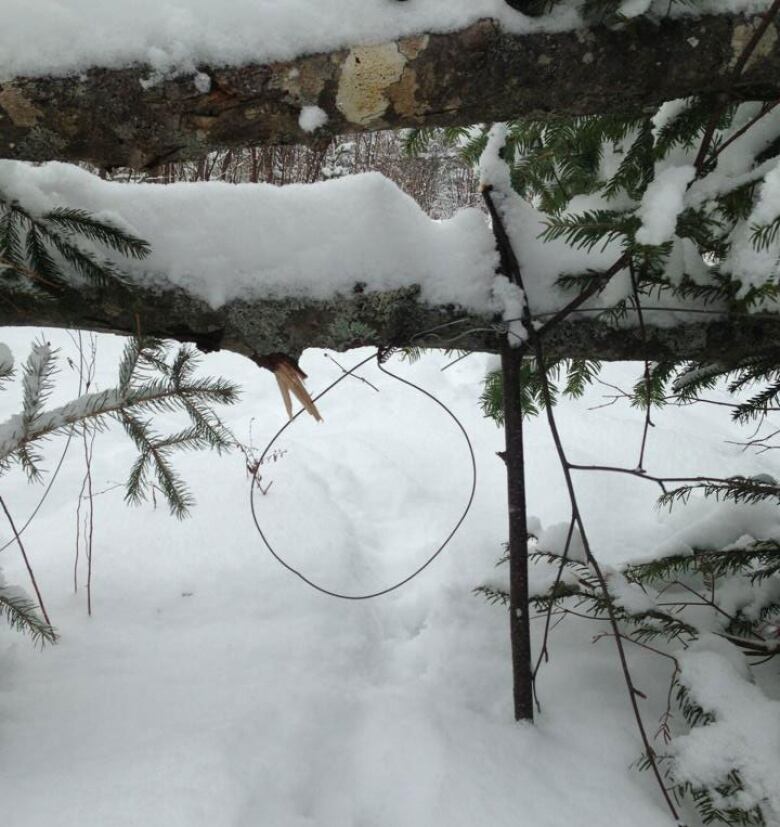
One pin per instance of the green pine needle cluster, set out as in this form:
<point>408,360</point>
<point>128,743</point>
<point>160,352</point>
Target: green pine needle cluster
<point>44,253</point>
<point>567,377</point>
<point>553,160</point>
<point>152,380</point>
<point>612,160</point>
<point>21,614</point>
<point>678,589</point>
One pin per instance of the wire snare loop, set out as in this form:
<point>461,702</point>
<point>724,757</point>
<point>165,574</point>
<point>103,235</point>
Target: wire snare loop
<point>380,357</point>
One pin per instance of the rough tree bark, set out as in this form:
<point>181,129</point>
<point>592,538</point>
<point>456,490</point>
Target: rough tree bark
<point>478,74</point>
<point>395,318</point>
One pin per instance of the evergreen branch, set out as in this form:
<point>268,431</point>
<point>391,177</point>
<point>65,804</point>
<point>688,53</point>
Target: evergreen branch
<point>763,236</point>
<point>25,241</point>
<point>157,395</point>
<point>493,595</point>
<point>759,404</point>
<point>636,169</point>
<point>37,382</point>
<point>80,222</point>
<point>83,262</point>
<point>153,453</point>
<point>128,364</point>
<point>138,480</point>
<point>737,489</point>
<point>586,230</point>
<point>41,261</point>
<point>417,140</point>
<point>21,614</point>
<point>651,390</point>
<point>580,374</point>
<point>11,248</point>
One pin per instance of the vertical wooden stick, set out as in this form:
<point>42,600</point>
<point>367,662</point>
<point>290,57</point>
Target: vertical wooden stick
<point>511,362</point>
<point>519,623</point>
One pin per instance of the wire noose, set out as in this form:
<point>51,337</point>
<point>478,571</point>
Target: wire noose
<point>379,356</point>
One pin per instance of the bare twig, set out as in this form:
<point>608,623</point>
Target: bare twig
<point>700,163</point>
<point>87,370</point>
<point>353,375</point>
<point>596,287</point>
<point>648,382</point>
<point>26,562</point>
<point>89,527</point>
<point>765,110</point>
<point>633,692</point>
<point>544,655</point>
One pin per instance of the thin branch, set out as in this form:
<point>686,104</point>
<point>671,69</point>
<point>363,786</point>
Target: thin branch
<point>760,31</point>
<point>26,562</point>
<point>535,339</point>
<point>353,375</point>
<point>739,68</point>
<point>648,382</point>
<point>632,689</point>
<point>89,519</point>
<point>765,110</point>
<point>543,652</point>
<point>596,287</point>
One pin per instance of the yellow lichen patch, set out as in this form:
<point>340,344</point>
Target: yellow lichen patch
<point>741,37</point>
<point>18,108</point>
<point>366,75</point>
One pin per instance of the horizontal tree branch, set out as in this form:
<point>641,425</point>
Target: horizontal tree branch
<point>115,118</point>
<point>396,318</point>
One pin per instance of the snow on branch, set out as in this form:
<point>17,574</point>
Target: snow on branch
<point>133,91</point>
<point>258,270</point>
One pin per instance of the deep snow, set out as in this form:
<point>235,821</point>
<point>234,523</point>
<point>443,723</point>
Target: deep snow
<point>212,689</point>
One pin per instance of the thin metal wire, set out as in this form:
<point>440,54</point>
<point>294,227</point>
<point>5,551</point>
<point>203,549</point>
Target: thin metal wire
<point>433,556</point>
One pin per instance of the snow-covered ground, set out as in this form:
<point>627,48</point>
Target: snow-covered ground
<point>210,688</point>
